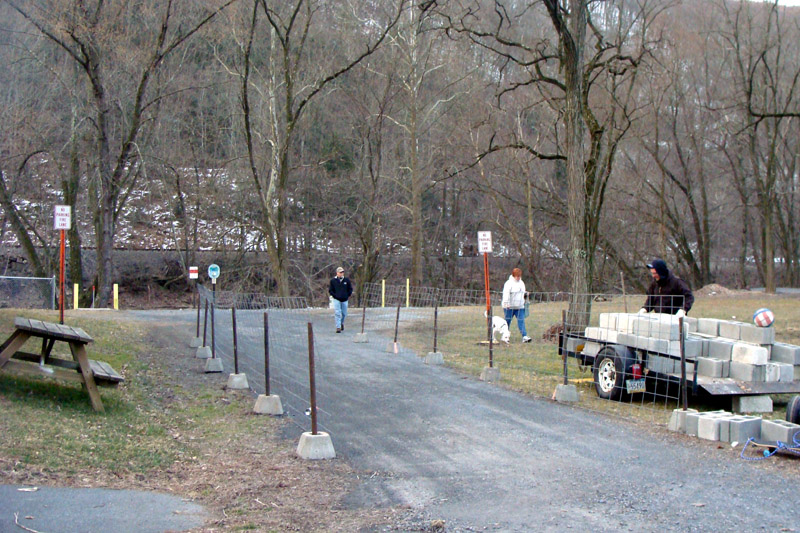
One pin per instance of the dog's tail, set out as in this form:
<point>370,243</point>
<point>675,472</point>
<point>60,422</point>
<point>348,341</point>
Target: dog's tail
<point>486,314</point>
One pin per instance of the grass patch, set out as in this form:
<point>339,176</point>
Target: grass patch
<point>536,368</point>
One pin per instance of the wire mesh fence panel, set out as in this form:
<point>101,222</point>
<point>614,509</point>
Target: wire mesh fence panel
<point>287,320</point>
<point>27,293</point>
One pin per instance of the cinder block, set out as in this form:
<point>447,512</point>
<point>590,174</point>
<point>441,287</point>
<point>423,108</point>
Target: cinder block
<point>772,372</point>
<point>643,343</point>
<point>658,345</point>
<point>708,425</point>
<point>720,349</point>
<point>642,326</point>
<point>666,328</point>
<point>785,353</point>
<point>610,335</point>
<point>691,324</point>
<point>591,348</point>
<point>749,353</point>
<point>726,369</point>
<point>710,367</point>
<point>677,421</point>
<point>692,348</point>
<point>739,428</point>
<point>662,365</point>
<point>785,372</point>
<point>608,320</point>
<point>626,339</point>
<point>796,372</point>
<point>625,322</point>
<point>592,333</point>
<point>756,335</point>
<point>708,326</point>
<point>730,329</point>
<point>779,430</point>
<point>693,420</point>
<point>752,404</point>
<point>748,372</point>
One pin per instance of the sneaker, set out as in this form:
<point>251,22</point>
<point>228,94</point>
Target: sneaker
<point>338,330</point>
<point>526,339</point>
<point>342,327</point>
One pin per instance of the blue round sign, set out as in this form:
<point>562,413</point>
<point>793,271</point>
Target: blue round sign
<point>213,271</point>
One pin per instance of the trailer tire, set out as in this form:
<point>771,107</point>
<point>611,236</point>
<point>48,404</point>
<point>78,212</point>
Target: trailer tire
<point>609,370</point>
<point>793,410</point>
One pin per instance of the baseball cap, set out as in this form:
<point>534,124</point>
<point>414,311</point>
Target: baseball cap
<point>340,269</point>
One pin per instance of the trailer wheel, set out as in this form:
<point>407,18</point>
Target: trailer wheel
<point>609,374</point>
<point>793,410</point>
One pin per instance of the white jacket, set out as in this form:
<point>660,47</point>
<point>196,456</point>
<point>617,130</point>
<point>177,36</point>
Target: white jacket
<point>513,294</point>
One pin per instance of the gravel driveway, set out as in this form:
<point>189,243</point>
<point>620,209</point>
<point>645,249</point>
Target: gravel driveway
<point>479,457</point>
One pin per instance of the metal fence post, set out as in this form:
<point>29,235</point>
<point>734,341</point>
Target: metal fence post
<point>197,332</point>
<point>266,354</point>
<point>235,346</point>
<point>213,339</point>
<point>489,313</point>
<point>312,380</point>
<point>435,319</point>
<point>561,348</point>
<point>684,396</point>
<point>363,316</point>
<point>205,324</point>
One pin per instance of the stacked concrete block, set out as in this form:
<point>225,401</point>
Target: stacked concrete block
<point>748,372</point>
<point>756,335</point>
<point>780,372</point>
<point>739,428</point>
<point>713,368</point>
<point>693,420</point>
<point>720,349</point>
<point>749,353</point>
<point>779,430</point>
<point>730,329</point>
<point>609,320</point>
<point>785,353</point>
<point>692,348</point>
<point>677,421</point>
<point>752,404</point>
<point>708,326</point>
<point>691,324</point>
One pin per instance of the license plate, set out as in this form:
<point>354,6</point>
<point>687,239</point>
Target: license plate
<point>635,385</point>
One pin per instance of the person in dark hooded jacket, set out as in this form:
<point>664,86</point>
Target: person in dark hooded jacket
<point>668,293</point>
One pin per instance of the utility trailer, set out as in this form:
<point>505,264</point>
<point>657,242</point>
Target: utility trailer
<point>634,353</point>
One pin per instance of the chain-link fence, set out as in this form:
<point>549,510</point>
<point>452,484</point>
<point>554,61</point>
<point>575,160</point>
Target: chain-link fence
<point>28,293</point>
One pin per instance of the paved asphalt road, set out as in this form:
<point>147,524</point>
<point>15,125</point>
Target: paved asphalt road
<point>478,457</point>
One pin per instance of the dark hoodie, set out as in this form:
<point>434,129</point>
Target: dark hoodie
<point>669,293</point>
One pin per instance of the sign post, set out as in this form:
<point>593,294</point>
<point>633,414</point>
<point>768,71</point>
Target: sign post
<point>485,247</point>
<point>62,221</point>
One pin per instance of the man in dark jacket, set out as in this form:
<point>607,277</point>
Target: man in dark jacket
<point>668,293</point>
<point>340,290</point>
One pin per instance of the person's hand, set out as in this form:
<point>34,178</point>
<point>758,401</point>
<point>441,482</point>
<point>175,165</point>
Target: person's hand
<point>680,313</point>
<point>642,311</point>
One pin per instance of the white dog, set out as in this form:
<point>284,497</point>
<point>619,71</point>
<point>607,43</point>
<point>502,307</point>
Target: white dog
<point>499,325</point>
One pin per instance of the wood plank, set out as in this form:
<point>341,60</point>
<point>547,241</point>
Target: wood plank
<point>103,370</point>
<point>20,367</point>
<point>54,361</point>
<point>79,353</point>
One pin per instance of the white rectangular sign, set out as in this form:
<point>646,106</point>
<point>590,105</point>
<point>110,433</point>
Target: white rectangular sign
<point>62,217</point>
<point>485,242</point>
<point>193,272</point>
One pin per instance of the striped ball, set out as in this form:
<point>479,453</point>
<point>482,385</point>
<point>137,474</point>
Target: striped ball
<point>763,317</point>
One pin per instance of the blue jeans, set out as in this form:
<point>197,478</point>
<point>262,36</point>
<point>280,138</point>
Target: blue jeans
<point>339,312</point>
<point>520,314</point>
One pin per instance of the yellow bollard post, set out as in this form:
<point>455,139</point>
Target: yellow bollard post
<point>116,296</point>
<point>383,293</point>
<point>75,295</point>
<point>408,292</point>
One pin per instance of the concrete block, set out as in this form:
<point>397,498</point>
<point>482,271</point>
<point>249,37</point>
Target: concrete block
<point>662,365</point>
<point>749,353</point>
<point>708,326</point>
<point>720,349</point>
<point>626,339</point>
<point>643,326</point>
<point>666,328</point>
<point>691,324</point>
<point>608,320</point>
<point>756,335</point>
<point>360,337</point>
<point>591,348</point>
<point>213,365</point>
<point>785,372</point>
<point>796,372</point>
<point>592,333</point>
<point>709,367</point>
<point>752,404</point>
<point>677,421</point>
<point>692,420</point>
<point>772,372</point>
<point>566,393</point>
<point>785,353</point>
<point>268,405</point>
<point>237,381</point>
<point>490,374</point>
<point>726,369</point>
<point>748,372</point>
<point>692,348</point>
<point>658,345</point>
<point>708,425</point>
<point>739,428</point>
<point>196,342</point>
<point>203,352</point>
<point>730,329</point>
<point>779,430</point>
<point>315,447</point>
<point>434,358</point>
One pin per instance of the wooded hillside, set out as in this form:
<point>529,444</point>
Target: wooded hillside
<point>588,136</point>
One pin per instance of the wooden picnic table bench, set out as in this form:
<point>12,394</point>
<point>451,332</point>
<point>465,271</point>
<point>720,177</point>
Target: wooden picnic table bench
<point>81,369</point>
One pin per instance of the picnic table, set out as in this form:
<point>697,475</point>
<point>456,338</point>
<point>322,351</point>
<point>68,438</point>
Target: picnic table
<point>81,369</point>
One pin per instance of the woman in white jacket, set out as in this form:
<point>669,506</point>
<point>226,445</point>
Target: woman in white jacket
<point>514,301</point>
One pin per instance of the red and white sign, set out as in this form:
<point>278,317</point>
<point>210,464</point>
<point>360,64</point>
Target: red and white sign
<point>62,217</point>
<point>193,272</point>
<point>485,242</point>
